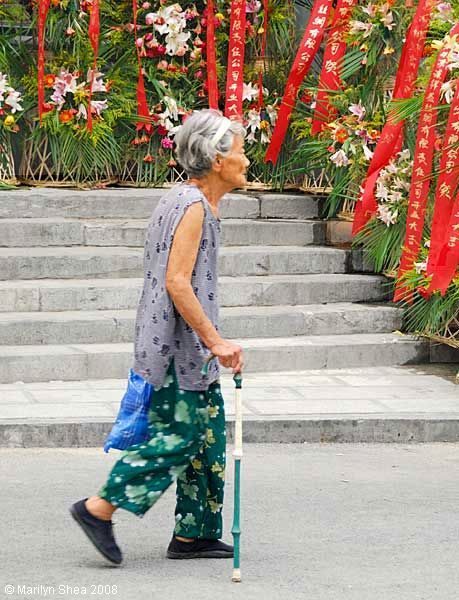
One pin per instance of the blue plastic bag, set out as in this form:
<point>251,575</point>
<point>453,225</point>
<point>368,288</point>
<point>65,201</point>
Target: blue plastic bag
<point>131,425</point>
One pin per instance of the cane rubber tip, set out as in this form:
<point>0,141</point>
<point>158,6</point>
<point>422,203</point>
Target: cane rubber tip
<point>236,576</point>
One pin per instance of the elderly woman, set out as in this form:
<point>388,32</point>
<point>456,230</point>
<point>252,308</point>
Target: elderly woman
<point>175,335</point>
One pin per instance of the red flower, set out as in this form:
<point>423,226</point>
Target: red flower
<point>49,80</point>
<point>162,130</point>
<point>148,158</point>
<point>47,107</point>
<point>66,115</point>
<point>341,136</point>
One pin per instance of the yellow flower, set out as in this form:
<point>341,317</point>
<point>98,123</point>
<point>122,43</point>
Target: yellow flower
<point>216,468</point>
<point>447,42</point>
<point>264,124</point>
<point>213,411</point>
<point>197,464</point>
<point>220,16</point>
<point>210,437</point>
<point>388,50</point>
<point>9,120</point>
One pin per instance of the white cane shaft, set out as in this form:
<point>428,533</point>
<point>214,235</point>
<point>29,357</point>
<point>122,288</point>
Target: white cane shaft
<point>238,426</point>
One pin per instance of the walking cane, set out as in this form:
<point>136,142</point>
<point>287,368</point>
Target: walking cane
<point>237,455</point>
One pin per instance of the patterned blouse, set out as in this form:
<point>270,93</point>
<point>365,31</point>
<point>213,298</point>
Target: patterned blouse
<point>161,334</point>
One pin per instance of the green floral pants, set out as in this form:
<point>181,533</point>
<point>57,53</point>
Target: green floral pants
<point>187,441</point>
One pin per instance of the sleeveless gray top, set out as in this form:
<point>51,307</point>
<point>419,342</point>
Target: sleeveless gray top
<point>161,334</point>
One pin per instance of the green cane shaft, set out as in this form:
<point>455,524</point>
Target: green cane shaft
<point>236,530</point>
<point>237,454</point>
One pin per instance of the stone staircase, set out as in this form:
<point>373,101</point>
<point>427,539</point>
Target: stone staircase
<point>71,274</point>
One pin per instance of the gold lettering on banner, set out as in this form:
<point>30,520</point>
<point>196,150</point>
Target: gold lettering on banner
<point>445,189</point>
<point>335,48</point>
<point>422,158</point>
<point>414,215</point>
<point>331,66</point>
<point>235,52</point>
<point>320,21</point>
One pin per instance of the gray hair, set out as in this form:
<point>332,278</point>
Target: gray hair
<point>194,148</point>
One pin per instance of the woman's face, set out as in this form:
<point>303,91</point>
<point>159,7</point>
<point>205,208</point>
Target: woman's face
<point>233,167</point>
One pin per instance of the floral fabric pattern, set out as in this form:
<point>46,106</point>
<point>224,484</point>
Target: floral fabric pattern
<point>186,445</point>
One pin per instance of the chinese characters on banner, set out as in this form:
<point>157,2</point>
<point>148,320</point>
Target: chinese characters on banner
<point>308,49</point>
<point>448,259</point>
<point>93,32</point>
<point>391,139</point>
<point>212,83</point>
<point>43,8</point>
<point>236,49</point>
<point>422,171</point>
<point>330,76</point>
<point>444,197</point>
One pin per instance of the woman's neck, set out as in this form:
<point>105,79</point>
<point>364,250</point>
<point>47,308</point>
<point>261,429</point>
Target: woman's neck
<point>212,190</point>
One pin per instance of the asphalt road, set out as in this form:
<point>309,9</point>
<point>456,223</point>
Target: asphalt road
<point>323,522</point>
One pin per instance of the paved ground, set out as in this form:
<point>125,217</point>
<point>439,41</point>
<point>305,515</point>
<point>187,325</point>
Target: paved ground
<point>386,404</point>
<point>428,389</point>
<point>322,522</point>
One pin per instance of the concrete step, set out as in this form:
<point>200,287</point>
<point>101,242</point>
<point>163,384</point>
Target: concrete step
<point>106,361</point>
<point>116,294</point>
<point>98,262</point>
<point>88,327</point>
<point>26,233</point>
<point>132,203</point>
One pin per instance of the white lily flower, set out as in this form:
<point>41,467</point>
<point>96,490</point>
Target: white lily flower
<point>386,216</point>
<point>272,114</point>
<point>358,26</point>
<point>175,41</point>
<point>99,106</point>
<point>358,110</point>
<point>340,158</point>
<point>367,152</point>
<point>13,101</point>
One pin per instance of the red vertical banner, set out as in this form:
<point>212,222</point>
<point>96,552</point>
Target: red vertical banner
<point>236,50</point>
<point>448,258</point>
<point>446,185</point>
<point>391,139</point>
<point>309,46</point>
<point>142,104</point>
<point>93,32</point>
<point>211,55</point>
<point>422,170</point>
<point>330,76</point>
<point>43,8</point>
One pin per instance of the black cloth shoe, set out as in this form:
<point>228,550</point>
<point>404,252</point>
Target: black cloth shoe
<point>200,548</point>
<point>100,532</point>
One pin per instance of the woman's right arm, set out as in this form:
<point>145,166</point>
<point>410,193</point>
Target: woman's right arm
<point>182,259</point>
